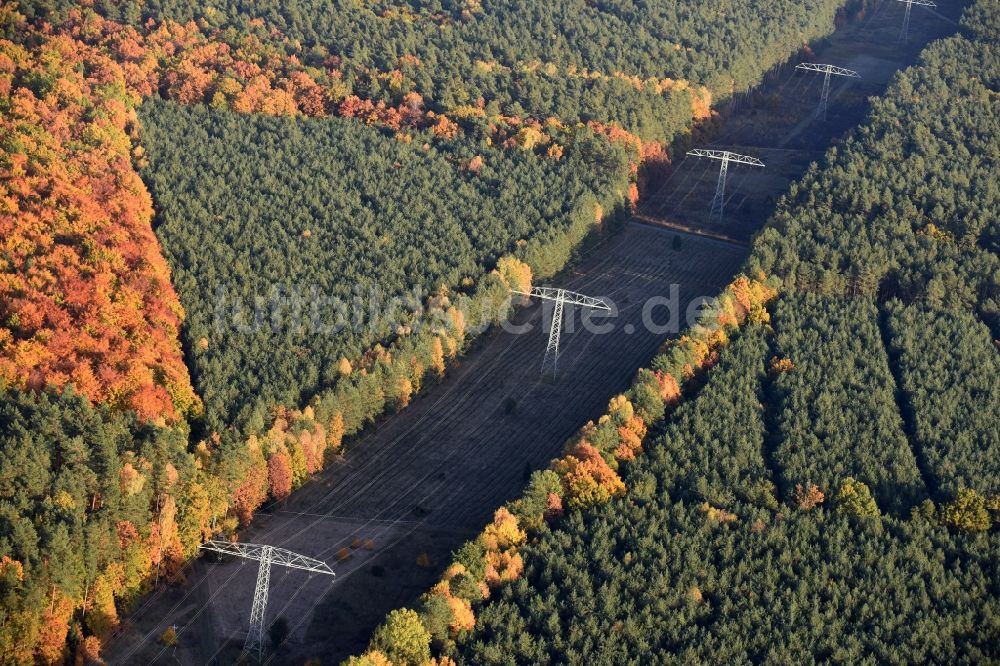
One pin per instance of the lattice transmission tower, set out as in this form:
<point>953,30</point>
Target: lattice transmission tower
<point>827,71</point>
<point>724,156</point>
<point>905,32</point>
<point>560,297</point>
<point>266,555</point>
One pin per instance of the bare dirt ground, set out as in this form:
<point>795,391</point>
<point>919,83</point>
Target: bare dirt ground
<point>425,480</point>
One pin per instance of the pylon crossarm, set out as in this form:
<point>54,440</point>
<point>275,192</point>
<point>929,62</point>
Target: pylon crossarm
<point>280,556</point>
<point>266,555</point>
<point>827,69</point>
<point>922,3</point>
<point>726,156</point>
<point>571,297</point>
<point>560,297</point>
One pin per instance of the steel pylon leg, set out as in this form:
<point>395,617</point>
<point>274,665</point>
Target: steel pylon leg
<point>905,32</point>
<point>824,98</point>
<point>719,200</point>
<point>254,643</point>
<point>551,359</point>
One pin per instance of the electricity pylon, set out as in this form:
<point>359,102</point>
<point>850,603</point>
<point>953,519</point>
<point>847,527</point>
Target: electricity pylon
<point>905,32</point>
<point>826,70</point>
<point>266,555</point>
<point>719,200</point>
<point>561,297</point>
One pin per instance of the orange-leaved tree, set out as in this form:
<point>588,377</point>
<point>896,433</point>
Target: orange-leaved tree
<point>85,293</point>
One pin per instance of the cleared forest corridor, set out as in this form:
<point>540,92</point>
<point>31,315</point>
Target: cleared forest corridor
<point>423,481</point>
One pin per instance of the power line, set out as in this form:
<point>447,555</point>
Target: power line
<point>662,194</point>
<point>724,156</point>
<point>266,555</point>
<point>343,502</point>
<point>694,186</point>
<point>560,297</point>
<point>827,71</point>
<point>676,203</point>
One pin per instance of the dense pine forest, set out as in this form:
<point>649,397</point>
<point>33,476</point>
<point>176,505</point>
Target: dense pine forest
<point>949,399</point>
<point>699,561</point>
<point>812,472</point>
<point>247,215</point>
<point>848,424</point>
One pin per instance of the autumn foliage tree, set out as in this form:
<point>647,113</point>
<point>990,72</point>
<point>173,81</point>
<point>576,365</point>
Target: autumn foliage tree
<point>855,499</point>
<point>807,496</point>
<point>85,293</point>
<point>402,638</point>
<point>279,475</point>
<point>968,511</point>
<point>587,478</point>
